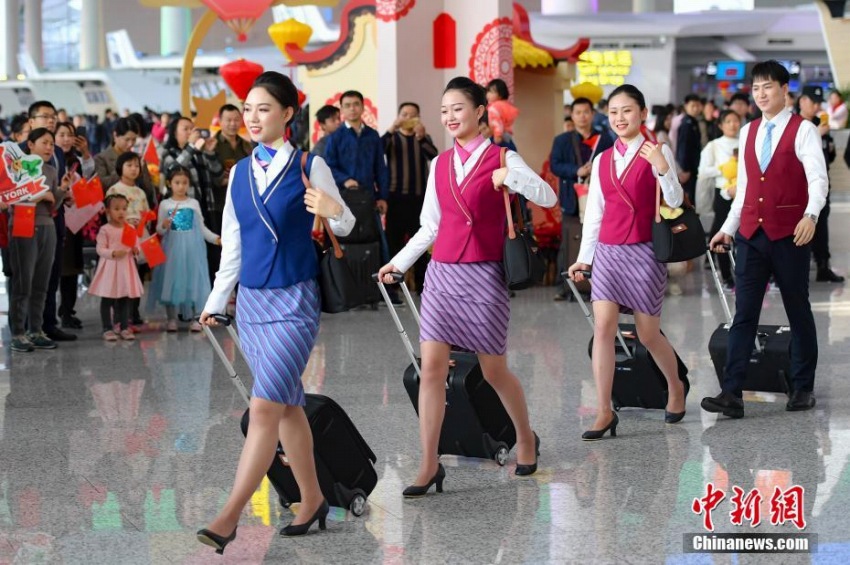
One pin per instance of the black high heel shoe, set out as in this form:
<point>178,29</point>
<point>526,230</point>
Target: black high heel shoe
<point>676,417</point>
<point>321,515</point>
<point>414,491</point>
<point>525,470</point>
<point>214,540</point>
<point>593,435</point>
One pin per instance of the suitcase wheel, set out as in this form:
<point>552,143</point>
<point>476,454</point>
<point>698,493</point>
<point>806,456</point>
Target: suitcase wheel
<point>358,504</point>
<point>501,456</point>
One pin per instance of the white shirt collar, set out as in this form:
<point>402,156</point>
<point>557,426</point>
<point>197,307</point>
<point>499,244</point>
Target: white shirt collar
<point>275,167</point>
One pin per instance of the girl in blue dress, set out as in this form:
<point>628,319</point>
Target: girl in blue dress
<point>267,248</point>
<point>182,283</point>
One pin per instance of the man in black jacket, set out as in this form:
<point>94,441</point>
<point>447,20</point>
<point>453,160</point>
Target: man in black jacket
<point>689,145</point>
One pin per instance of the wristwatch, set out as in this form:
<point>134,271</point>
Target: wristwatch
<point>812,217</point>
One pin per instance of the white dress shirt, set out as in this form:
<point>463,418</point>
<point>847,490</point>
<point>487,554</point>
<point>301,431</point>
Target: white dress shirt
<point>231,241</point>
<point>809,150</point>
<point>716,153</point>
<point>670,187</point>
<point>520,179</point>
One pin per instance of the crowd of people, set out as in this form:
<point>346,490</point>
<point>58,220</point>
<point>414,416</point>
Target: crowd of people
<point>230,212</point>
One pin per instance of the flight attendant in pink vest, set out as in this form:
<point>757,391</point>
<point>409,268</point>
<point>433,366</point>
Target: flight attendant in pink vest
<point>617,242</point>
<point>782,186</point>
<point>465,299</point>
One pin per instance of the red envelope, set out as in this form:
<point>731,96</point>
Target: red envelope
<point>153,251</point>
<point>23,220</point>
<point>129,237</point>
<point>87,192</point>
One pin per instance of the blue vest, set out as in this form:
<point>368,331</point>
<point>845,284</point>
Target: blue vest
<point>275,228</point>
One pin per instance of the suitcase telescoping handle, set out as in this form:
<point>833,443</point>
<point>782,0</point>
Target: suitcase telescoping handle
<point>587,313</point>
<point>405,339</point>
<point>227,322</point>
<point>715,273</point>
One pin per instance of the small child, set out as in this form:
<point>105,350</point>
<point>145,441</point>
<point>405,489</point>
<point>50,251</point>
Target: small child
<point>116,280</point>
<point>129,168</point>
<point>183,281</point>
<point>501,114</point>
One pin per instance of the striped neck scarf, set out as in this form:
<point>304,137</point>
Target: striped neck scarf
<point>264,155</point>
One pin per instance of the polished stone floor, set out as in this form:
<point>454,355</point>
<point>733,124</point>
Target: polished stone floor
<point>118,453</point>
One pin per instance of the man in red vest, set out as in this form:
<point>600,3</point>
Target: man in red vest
<point>782,187</point>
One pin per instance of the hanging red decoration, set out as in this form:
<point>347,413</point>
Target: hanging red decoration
<point>239,15</point>
<point>445,42</point>
<point>239,75</point>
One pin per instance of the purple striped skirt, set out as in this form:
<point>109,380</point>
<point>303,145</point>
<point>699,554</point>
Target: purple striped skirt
<point>629,275</point>
<point>467,306</point>
<point>277,328</point>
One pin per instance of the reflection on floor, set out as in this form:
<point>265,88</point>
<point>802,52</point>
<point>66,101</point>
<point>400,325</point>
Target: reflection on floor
<point>117,453</point>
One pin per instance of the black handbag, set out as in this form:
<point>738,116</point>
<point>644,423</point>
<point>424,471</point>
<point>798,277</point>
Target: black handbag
<point>677,239</point>
<point>523,266</point>
<point>339,289</point>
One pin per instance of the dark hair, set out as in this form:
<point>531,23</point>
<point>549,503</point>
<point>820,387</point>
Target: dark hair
<point>123,159</point>
<point>660,118</point>
<point>581,100</point>
<point>837,93</point>
<point>326,112</point>
<point>632,92</point>
<point>37,105</point>
<point>603,103</point>
<point>770,70</point>
<point>413,104</point>
<point>693,98</point>
<point>725,114</point>
<point>171,141</point>
<point>280,88</point>
<point>71,127</point>
<point>471,89</point>
<point>351,94</point>
<point>500,87</point>
<point>18,123</point>
<point>124,126</point>
<point>742,96</point>
<point>38,133</point>
<point>707,101</point>
<point>115,196</point>
<point>139,120</point>
<point>177,170</point>
<point>227,108</point>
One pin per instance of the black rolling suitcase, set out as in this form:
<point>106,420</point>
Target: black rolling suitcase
<point>364,259</point>
<point>769,369</point>
<point>638,381</point>
<point>571,229</point>
<point>344,461</point>
<point>476,423</point>
<point>362,206</point>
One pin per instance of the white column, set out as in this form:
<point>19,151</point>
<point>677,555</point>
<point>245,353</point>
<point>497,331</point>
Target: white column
<point>643,6</point>
<point>32,31</point>
<point>92,51</point>
<point>175,26</point>
<point>561,7</point>
<point>11,39</point>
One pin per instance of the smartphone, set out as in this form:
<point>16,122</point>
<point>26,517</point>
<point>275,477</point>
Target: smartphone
<point>81,132</point>
<point>205,133</point>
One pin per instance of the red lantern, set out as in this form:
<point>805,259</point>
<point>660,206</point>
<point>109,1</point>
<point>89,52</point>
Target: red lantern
<point>239,15</point>
<point>239,75</point>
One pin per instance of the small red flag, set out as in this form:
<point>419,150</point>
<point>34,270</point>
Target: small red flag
<point>147,216</point>
<point>23,220</point>
<point>129,237</point>
<point>87,192</point>
<point>151,157</point>
<point>153,251</point>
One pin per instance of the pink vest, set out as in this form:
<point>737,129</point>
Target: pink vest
<point>629,200</point>
<point>472,214</point>
<point>775,200</point>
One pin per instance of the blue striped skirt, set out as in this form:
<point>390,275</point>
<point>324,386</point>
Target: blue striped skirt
<point>629,275</point>
<point>467,306</point>
<point>277,328</point>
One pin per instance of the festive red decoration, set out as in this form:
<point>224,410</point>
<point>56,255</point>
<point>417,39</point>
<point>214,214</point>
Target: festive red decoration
<point>522,29</point>
<point>239,75</point>
<point>153,251</point>
<point>151,157</point>
<point>23,220</point>
<point>129,237</point>
<point>239,15</point>
<point>492,54</point>
<point>87,192</point>
<point>393,10</point>
<point>445,42</point>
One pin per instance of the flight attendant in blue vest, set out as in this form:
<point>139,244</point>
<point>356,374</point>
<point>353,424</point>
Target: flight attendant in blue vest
<point>267,248</point>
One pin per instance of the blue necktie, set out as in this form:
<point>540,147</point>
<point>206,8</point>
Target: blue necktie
<point>764,156</point>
